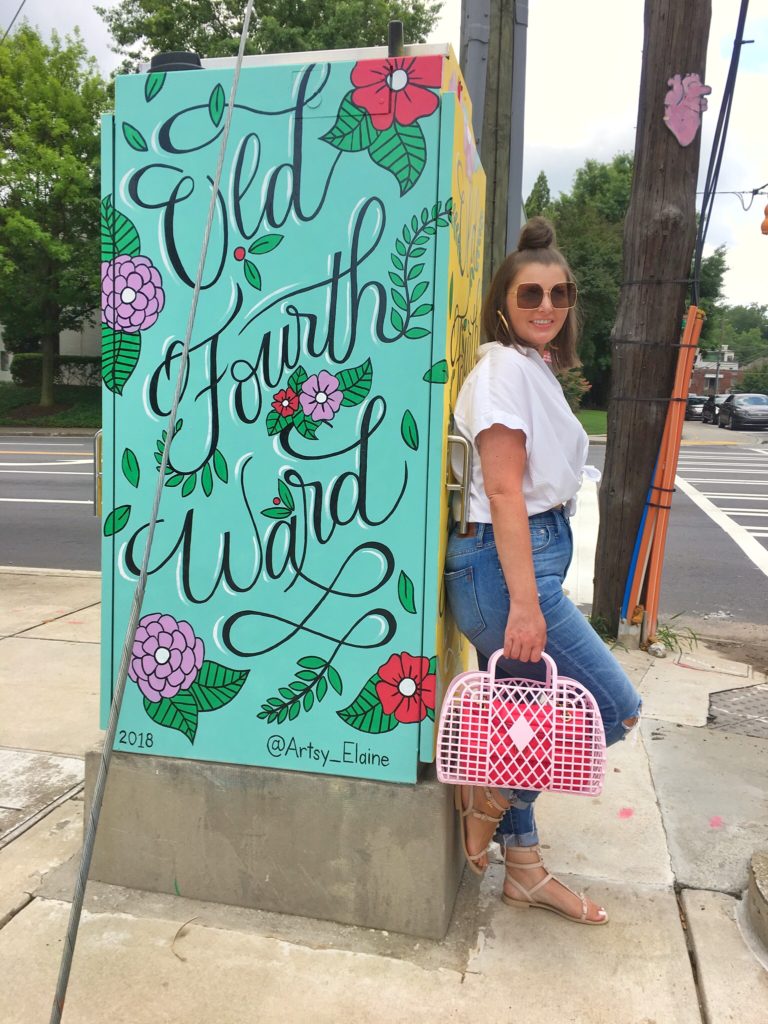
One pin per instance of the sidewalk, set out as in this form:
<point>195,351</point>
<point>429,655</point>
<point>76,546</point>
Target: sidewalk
<point>665,847</point>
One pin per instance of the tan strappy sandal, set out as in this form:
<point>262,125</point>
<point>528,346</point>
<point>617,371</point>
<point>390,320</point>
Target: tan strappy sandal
<point>529,894</point>
<point>472,811</point>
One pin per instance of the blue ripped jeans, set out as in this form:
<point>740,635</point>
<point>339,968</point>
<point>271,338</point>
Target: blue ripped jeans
<point>479,601</point>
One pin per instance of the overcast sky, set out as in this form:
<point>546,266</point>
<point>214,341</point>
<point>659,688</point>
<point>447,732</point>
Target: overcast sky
<point>582,82</point>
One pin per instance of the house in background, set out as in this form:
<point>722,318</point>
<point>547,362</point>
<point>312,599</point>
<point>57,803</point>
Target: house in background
<point>86,342</point>
<point>715,376</point>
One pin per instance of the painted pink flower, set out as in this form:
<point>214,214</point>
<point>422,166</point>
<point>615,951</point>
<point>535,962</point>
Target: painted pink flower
<point>406,687</point>
<point>132,295</point>
<point>397,88</point>
<point>166,656</point>
<point>286,402</point>
<point>320,396</point>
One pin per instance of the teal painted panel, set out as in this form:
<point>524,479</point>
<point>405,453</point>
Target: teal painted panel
<point>283,619</point>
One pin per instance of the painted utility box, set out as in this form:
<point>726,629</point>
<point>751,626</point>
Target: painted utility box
<point>294,614</point>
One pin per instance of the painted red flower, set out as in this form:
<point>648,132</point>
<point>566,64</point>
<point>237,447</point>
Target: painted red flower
<point>406,687</point>
<point>397,89</point>
<point>286,402</point>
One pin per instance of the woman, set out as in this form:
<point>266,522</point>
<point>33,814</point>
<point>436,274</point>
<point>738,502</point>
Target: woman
<point>504,575</point>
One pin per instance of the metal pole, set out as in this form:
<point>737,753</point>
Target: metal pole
<point>515,204</point>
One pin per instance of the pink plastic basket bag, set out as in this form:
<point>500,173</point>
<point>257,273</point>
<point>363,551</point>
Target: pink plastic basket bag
<point>521,733</point>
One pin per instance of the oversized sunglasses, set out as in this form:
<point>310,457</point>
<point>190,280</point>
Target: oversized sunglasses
<point>531,296</point>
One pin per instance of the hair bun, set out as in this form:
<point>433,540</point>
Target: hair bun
<point>537,233</point>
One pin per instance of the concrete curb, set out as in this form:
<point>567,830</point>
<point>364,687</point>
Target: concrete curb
<point>49,431</point>
<point>22,570</point>
<point>757,896</point>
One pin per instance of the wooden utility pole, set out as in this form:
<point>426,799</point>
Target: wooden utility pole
<point>493,50</point>
<point>659,235</point>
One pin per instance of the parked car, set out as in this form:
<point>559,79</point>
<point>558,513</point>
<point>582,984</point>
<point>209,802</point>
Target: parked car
<point>744,411</point>
<point>694,407</point>
<point>711,411</point>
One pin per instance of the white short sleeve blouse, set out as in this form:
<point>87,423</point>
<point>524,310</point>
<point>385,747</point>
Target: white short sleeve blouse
<point>517,389</point>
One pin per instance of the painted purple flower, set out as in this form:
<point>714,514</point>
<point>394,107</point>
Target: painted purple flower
<point>166,656</point>
<point>320,396</point>
<point>131,293</point>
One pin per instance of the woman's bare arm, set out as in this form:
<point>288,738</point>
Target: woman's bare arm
<point>503,458</point>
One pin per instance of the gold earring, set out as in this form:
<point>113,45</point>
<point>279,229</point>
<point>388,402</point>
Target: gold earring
<point>503,319</point>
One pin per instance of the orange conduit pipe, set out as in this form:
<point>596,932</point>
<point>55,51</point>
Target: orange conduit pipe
<point>676,417</point>
<point>656,495</point>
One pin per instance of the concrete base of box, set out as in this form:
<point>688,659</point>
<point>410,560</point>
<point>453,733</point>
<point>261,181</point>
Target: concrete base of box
<point>374,854</point>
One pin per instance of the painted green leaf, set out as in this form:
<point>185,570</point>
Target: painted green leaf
<point>117,520</point>
<point>321,689</point>
<point>437,373</point>
<point>220,466</point>
<point>402,150</point>
<point>306,426</point>
<point>366,714</point>
<point>415,223</point>
<point>334,679</point>
<point>275,513</point>
<point>418,251</point>
<point>431,714</point>
<point>153,85</point>
<point>285,495</point>
<point>311,661</point>
<point>353,129</point>
<point>356,383</point>
<point>396,320</point>
<point>416,332</point>
<point>307,676</point>
<point>418,290</point>
<point>130,466</point>
<point>206,479</point>
<point>134,138</point>
<point>158,458</point>
<point>179,712</point>
<point>405,593</point>
<point>433,665</point>
<point>119,356</point>
<point>265,244</point>
<point>282,714</point>
<point>294,711</point>
<point>406,233</point>
<point>398,299</point>
<point>415,270</point>
<point>409,431</point>
<point>175,480</point>
<point>275,422</point>
<point>400,247</point>
<point>252,275</point>
<point>397,263</point>
<point>216,685</point>
<point>285,693</point>
<point>396,279</point>
<point>119,237</point>
<point>297,378</point>
<point>189,485</point>
<point>308,701</point>
<point>423,309</point>
<point>216,104</point>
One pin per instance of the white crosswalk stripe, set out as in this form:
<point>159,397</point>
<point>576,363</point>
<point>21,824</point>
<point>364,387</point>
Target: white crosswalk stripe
<point>731,485</point>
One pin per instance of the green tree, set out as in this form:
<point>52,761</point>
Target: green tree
<point>211,28</point>
<point>539,201</point>
<point>589,223</point>
<point>711,278</point>
<point>51,96</point>
<point>756,380</point>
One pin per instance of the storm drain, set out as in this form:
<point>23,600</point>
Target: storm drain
<point>744,711</point>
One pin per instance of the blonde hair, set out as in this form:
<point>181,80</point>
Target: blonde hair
<point>537,244</point>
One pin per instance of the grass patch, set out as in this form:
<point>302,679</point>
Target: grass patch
<point>75,407</point>
<point>594,421</point>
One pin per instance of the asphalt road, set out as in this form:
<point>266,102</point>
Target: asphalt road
<point>718,526</point>
<point>46,503</point>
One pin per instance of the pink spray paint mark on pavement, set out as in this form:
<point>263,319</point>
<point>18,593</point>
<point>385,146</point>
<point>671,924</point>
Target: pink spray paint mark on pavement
<point>683,106</point>
<point>626,812</point>
<point>716,822</point>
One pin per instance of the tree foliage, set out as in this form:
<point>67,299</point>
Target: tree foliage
<point>756,380</point>
<point>539,201</point>
<point>51,96</point>
<point>211,28</point>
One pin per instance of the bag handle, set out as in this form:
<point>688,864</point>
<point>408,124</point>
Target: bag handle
<point>549,662</point>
